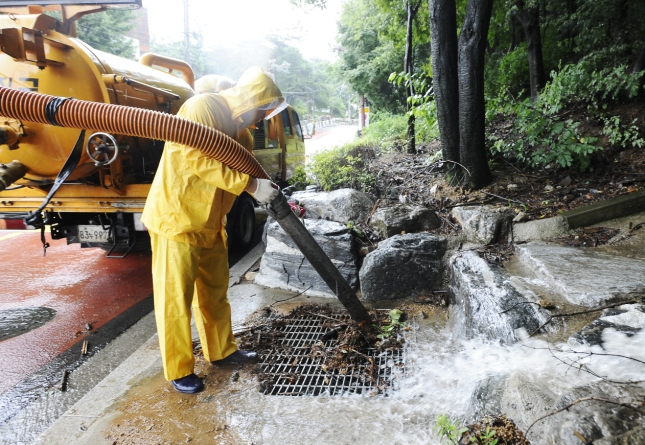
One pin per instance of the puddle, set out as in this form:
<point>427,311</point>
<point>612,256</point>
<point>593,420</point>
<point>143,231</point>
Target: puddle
<point>18,321</point>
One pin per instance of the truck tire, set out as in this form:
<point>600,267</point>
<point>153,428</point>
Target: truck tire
<point>241,223</point>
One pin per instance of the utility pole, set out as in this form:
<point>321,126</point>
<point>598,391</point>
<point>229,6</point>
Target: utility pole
<point>186,33</point>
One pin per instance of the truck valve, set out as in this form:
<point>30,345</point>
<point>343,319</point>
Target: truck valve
<point>10,173</point>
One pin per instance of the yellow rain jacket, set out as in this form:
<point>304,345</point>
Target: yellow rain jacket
<point>212,83</point>
<point>186,214</point>
<point>191,194</point>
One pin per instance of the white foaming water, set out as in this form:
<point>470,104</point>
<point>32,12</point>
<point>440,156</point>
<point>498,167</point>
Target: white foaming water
<point>443,373</point>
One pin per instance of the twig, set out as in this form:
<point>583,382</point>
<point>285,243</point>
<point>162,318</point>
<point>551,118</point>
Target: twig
<point>290,298</point>
<point>323,316</point>
<point>517,304</point>
<point>521,172</point>
<point>505,199</point>
<point>585,399</point>
<point>63,381</point>
<point>588,311</point>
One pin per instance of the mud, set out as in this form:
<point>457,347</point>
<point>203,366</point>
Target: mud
<point>161,415</point>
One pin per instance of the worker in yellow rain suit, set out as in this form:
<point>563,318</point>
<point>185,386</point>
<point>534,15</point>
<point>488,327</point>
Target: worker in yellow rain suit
<point>213,83</point>
<point>185,214</point>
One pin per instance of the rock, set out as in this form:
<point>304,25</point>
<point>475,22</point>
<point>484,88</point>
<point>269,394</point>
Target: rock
<point>363,251</point>
<point>342,205</point>
<point>520,217</point>
<point>582,276</point>
<point>628,319</point>
<point>487,303</point>
<point>392,221</point>
<point>566,182</point>
<point>283,265</point>
<point>549,188</point>
<point>403,266</point>
<point>484,224</point>
<point>541,229</point>
<point>598,422</point>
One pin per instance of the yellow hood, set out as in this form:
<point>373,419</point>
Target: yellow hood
<point>253,90</point>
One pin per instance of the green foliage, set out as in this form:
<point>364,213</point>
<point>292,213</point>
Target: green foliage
<point>421,104</point>
<point>299,178</point>
<point>541,136</point>
<point>577,82</point>
<point>395,324</point>
<point>449,432</point>
<point>389,130</point>
<point>541,140</point>
<point>372,36</point>
<point>486,438</point>
<point>177,50</point>
<point>386,129</point>
<point>342,167</point>
<point>352,226</point>
<point>622,135</point>
<point>105,31</point>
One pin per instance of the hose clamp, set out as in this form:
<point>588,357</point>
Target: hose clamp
<point>52,108</point>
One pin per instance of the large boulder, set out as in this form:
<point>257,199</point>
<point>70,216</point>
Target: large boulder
<point>283,266</point>
<point>484,224</point>
<point>490,304</point>
<point>583,276</point>
<point>342,205</point>
<point>403,266</point>
<point>392,221</point>
<point>628,319</point>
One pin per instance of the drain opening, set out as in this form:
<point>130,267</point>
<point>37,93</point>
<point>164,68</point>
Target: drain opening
<point>298,365</point>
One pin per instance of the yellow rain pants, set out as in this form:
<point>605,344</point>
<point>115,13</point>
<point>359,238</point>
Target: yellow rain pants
<point>203,285</point>
<point>185,213</point>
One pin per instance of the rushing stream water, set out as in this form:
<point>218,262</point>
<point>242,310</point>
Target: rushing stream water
<point>443,375</point>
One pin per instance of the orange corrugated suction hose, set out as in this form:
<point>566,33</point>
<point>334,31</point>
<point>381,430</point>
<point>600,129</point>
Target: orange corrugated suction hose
<point>128,121</point>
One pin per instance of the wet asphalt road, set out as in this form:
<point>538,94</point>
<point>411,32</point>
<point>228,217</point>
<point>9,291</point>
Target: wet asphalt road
<point>49,306</point>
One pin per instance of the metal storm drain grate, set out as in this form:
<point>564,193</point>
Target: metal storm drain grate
<point>292,369</point>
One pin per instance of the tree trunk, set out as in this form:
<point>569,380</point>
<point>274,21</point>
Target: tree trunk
<point>409,69</point>
<point>472,112</point>
<point>640,62</point>
<point>443,27</point>
<point>413,9</point>
<point>529,18</point>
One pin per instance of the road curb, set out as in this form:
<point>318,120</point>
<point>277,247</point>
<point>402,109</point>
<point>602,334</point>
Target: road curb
<point>611,208</point>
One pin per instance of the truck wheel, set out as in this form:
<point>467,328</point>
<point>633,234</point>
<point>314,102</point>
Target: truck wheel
<point>241,226</point>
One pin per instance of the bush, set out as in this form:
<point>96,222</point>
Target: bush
<point>387,130</point>
<point>299,179</point>
<point>540,135</point>
<point>343,167</point>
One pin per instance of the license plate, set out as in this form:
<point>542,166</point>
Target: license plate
<point>93,234</point>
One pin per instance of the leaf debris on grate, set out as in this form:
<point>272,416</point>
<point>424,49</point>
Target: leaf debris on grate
<point>317,349</point>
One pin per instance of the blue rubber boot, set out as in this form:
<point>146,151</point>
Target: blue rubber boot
<point>189,384</point>
<point>239,357</point>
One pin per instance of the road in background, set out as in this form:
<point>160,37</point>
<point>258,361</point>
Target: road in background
<point>329,137</point>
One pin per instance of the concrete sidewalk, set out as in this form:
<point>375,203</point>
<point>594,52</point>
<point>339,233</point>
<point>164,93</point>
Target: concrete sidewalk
<point>88,419</point>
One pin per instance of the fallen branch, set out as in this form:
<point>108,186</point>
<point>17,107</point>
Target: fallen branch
<point>504,198</point>
<point>586,399</point>
<point>588,311</point>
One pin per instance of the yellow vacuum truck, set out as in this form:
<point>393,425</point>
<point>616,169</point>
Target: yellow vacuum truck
<point>90,188</point>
